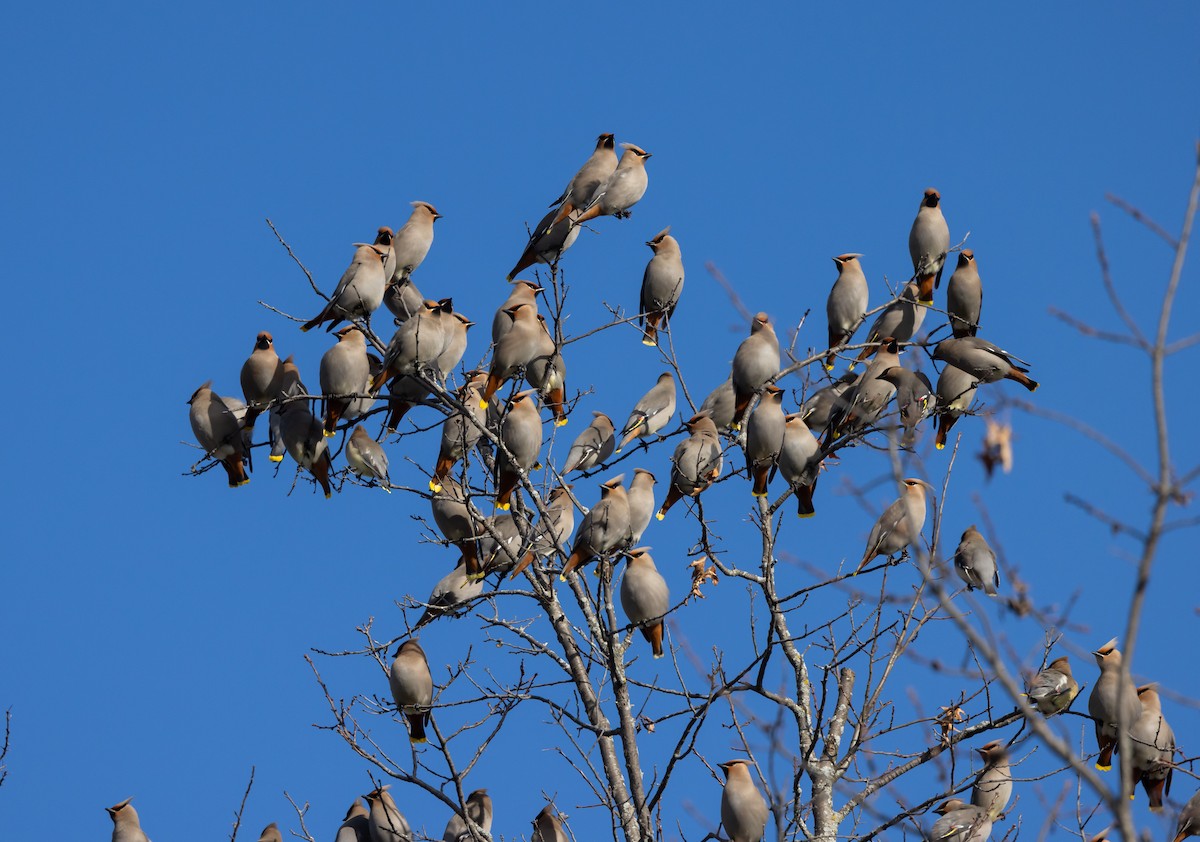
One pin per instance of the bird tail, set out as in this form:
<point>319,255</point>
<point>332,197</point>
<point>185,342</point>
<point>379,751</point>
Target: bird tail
<point>1023,379</point>
<point>320,471</point>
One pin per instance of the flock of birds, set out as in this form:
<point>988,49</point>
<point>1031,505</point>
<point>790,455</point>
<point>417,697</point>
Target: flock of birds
<point>429,342</point>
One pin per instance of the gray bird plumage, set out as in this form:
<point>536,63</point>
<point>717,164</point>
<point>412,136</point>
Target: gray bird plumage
<point>1053,689</point>
<point>127,827</point>
<point>592,446</point>
<point>412,688</point>
<point>1189,819</point>
<point>1152,748</point>
<point>964,296</point>
<point>720,404</point>
<point>552,531</point>
<point>799,462</point>
<point>479,809</point>
<point>521,435</point>
<point>218,431</point>
<point>652,412</point>
<point>984,361</point>
<point>605,528</point>
<point>960,822</point>
<point>385,821</point>
<point>548,828</point>
<point>900,320</point>
<point>975,562</point>
<point>764,439</point>
<point>993,785</point>
<point>955,392</point>
<point>359,292</point>
<point>641,501</point>
<point>743,809</point>
<point>412,242</point>
<point>451,591</point>
<point>356,826</point>
<point>662,285</point>
<point>345,371</point>
<point>847,303</point>
<point>827,402</point>
<point>899,527</point>
<point>755,362</point>
<point>929,241</point>
<point>914,397</point>
<point>367,458</point>
<point>696,463</point>
<point>645,597</point>
<point>1113,703</point>
<point>622,189</point>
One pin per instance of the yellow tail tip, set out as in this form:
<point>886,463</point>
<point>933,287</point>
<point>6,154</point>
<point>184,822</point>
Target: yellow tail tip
<point>660,516</point>
<point>926,303</point>
<point>808,515</point>
<point>940,445</point>
<point>502,507</point>
<point>419,740</point>
<point>328,434</point>
<point>1132,796</point>
<point>560,422</point>
<point>435,486</point>
<point>649,343</point>
<point>562,577</point>
<point>483,404</point>
<point>537,466</point>
<point>329,496</point>
<point>659,655</point>
<point>851,366</point>
<point>1103,768</point>
<point>275,458</point>
<point>829,366</point>
<point>758,494</point>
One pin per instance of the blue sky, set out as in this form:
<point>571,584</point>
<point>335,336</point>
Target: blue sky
<point>156,623</point>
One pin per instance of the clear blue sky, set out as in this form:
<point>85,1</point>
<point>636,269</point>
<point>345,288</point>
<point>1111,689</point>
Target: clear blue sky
<point>154,625</point>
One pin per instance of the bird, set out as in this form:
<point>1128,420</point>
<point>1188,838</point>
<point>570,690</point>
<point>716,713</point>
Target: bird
<point>955,392</point>
<point>548,828</point>
<point>914,397</point>
<point>290,387</point>
<point>461,430</point>
<point>652,412</point>
<point>662,285</point>
<point>304,440</point>
<point>408,391</point>
<point>479,809</point>
<point>622,189</point>
<point>525,341</point>
<point>588,181</point>
<point>217,430</point>
<point>1053,689</point>
<point>960,822</point>
<point>696,463</point>
<point>547,372</point>
<point>451,591</point>
<point>385,821</point>
<point>899,527</point>
<point>592,446</point>
<point>605,528</point>
<point>384,236</point>
<point>863,403</point>
<point>262,377</point>
<point>928,243</point>
<point>500,543</point>
<point>975,562</point>
<point>1189,819</point>
<point>1152,748</point>
<point>412,687</point>
<point>847,303</point>
<point>552,530</point>
<point>548,242</point>
<point>523,292</point>
<point>964,296</point>
<point>270,833</point>
<point>458,521</point>
<point>127,827</point>
<point>826,403</point>
<point>1113,703</point>
<point>645,598</point>
<point>641,502</point>
<point>412,242</point>
<point>799,461</point>
<point>993,785</point>
<point>521,435</point>
<point>359,292</point>
<point>356,826</point>
<point>418,343</point>
<point>900,320</point>
<point>743,809</point>
<point>719,404</point>
<point>403,299</point>
<point>345,372</point>
<point>755,362</point>
<point>367,458</point>
<point>764,439</point>
<point>983,361</point>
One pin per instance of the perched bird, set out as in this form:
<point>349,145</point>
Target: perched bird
<point>955,392</point>
<point>591,447</point>
<point>549,241</point>
<point>641,501</point>
<point>126,825</point>
<point>993,785</point>
<point>547,372</point>
<point>360,291</point>
<point>451,591</point>
<point>458,522</point>
<point>367,458</point>
<point>383,238</point>
<point>720,404</point>
<point>645,598</point>
<point>1152,748</point>
<point>412,242</point>
<point>743,809</point>
<point>960,822</point>
<point>847,303</point>
<point>412,687</point>
<point>914,397</point>
<point>865,401</point>
<point>764,439</point>
<point>899,527</point>
<point>385,821</point>
<point>500,545</point>
<point>928,243</point>
<point>270,833</point>
<point>975,562</point>
<point>652,412</point>
<point>403,299</point>
<point>356,827</point>
<point>621,190</point>
<point>552,531</point>
<point>523,292</point>
<point>1054,688</point>
<point>461,431</point>
<point>479,809</point>
<point>290,387</point>
<point>521,435</point>
<point>755,362</point>
<point>826,402</point>
<point>900,320</point>
<point>799,461</point>
<point>605,528</point>
<point>418,343</point>
<point>547,827</point>
<point>304,440</point>
<point>1189,819</point>
<point>345,372</point>
<point>696,463</point>
<point>262,377</point>
<point>662,284</point>
<point>588,181</point>
<point>983,361</point>
<point>217,430</point>
<point>964,296</point>
<point>1113,703</point>
<point>526,340</point>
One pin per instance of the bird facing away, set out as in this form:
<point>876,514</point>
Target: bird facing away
<point>755,362</point>
<point>826,403</point>
<point>385,821</point>
<point>662,285</point>
<point>587,182</point>
<point>899,527</point>
<point>552,531</point>
<point>367,458</point>
<point>993,785</point>
<point>412,687</point>
<point>743,809</point>
<point>900,320</point>
<point>524,341</point>
<point>719,405</point>
<point>304,440</point>
<point>799,461</point>
<point>955,392</point>
<point>975,562</point>
<point>622,189</point>
<point>847,303</point>
<point>460,433</point>
<point>1152,748</point>
<point>983,361</point>
<point>479,809</point>
<point>548,828</point>
<point>126,825</point>
<point>641,501</point>
<point>1054,688</point>
<point>696,463</point>
<point>459,523</point>
<point>645,598</point>
<point>217,430</point>
<point>1189,819</point>
<point>964,296</point>
<point>764,439</point>
<point>652,412</point>
<point>549,241</point>
<point>865,401</point>
<point>961,822</point>
<point>262,377</point>
<point>928,243</point>
<point>521,435</point>
<point>547,372</point>
<point>418,343</point>
<point>356,826</point>
<point>345,372</point>
<point>270,833</point>
<point>523,292</point>
<point>1113,702</point>
<point>605,528</point>
<point>914,397</point>
<point>451,591</point>
<point>591,447</point>
<point>412,242</point>
<point>359,292</point>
